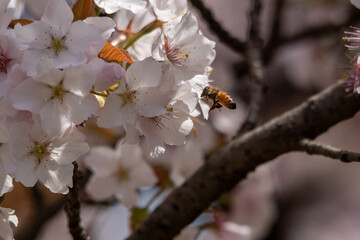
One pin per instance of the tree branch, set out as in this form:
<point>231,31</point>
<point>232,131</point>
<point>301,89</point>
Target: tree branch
<point>312,147</point>
<point>224,36</point>
<point>242,155</point>
<point>72,207</point>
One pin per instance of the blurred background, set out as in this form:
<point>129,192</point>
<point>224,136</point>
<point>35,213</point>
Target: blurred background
<point>293,197</point>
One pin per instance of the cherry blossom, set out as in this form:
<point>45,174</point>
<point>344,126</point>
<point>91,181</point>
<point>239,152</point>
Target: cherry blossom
<point>137,95</point>
<point>40,157</point>
<point>169,128</point>
<point>60,97</point>
<point>118,172</point>
<point>56,37</point>
<point>187,52</point>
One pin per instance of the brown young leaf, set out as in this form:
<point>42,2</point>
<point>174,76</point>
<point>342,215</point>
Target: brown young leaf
<point>21,21</point>
<point>83,9</point>
<point>111,53</point>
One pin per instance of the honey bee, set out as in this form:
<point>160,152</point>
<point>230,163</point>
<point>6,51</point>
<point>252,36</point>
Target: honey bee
<point>219,98</point>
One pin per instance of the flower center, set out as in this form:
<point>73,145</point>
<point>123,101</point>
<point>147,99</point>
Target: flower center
<point>127,97</point>
<point>58,91</point>
<point>158,121</point>
<point>57,45</point>
<point>122,173</point>
<point>174,54</point>
<point>4,60</point>
<point>40,150</point>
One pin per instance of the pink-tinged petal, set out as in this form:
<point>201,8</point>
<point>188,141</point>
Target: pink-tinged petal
<point>79,80</point>
<point>6,14</point>
<point>205,108</point>
<point>58,179</point>
<point>126,192</point>
<point>201,54</point>
<point>129,156</point>
<point>3,5</point>
<point>154,145</point>
<point>166,10</point>
<point>66,59</point>
<point>146,73</point>
<point>143,175</point>
<point>35,35</point>
<point>20,146</point>
<point>80,109</point>
<point>106,73</point>
<point>10,45</point>
<point>101,161</point>
<point>28,63</point>
<point>69,151</point>
<point>7,159</point>
<point>132,134</point>
<point>184,32</point>
<point>151,102</point>
<point>51,78</point>
<point>114,113</point>
<point>37,133</point>
<point>185,95</point>
<point>25,171</point>
<point>134,6</point>
<point>101,188</point>
<point>30,95</point>
<point>105,24</point>
<point>81,36</point>
<point>55,120</point>
<point>123,18</point>
<point>7,185</point>
<point>58,13</point>
<point>114,5</point>
<point>142,19</point>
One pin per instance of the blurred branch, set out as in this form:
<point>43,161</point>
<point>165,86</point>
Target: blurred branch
<point>224,36</point>
<point>256,69</point>
<point>242,155</point>
<point>276,22</point>
<point>312,147</point>
<point>72,207</point>
<point>312,32</point>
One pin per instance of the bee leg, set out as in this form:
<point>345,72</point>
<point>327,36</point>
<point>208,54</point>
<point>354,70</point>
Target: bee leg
<point>212,107</point>
<point>218,106</point>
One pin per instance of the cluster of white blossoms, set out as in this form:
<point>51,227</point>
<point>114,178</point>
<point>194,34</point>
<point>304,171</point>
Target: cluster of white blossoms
<point>52,79</point>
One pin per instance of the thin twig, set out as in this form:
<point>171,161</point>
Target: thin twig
<point>270,48</point>
<point>242,155</point>
<point>255,65</point>
<point>72,207</point>
<point>224,36</point>
<point>276,22</point>
<point>312,147</point>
